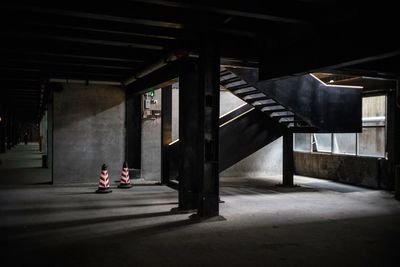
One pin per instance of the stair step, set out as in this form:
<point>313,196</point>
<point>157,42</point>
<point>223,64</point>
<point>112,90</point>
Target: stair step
<point>253,92</point>
<point>288,120</point>
<point>226,77</point>
<point>224,73</point>
<point>258,98</point>
<point>274,108</point>
<point>263,105</point>
<point>233,85</point>
<point>244,90</point>
<point>240,86</point>
<point>230,80</point>
<point>282,114</point>
<point>249,97</point>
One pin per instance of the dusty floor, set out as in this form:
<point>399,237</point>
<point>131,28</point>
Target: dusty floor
<point>265,226</point>
<point>318,223</point>
<point>23,165</point>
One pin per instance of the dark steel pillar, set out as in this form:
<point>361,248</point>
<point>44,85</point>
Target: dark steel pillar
<point>394,133</point>
<point>133,130</point>
<point>190,133</point>
<point>166,131</point>
<point>209,70</point>
<point>288,161</point>
<point>14,136</point>
<point>2,133</point>
<point>9,131</point>
<point>199,132</point>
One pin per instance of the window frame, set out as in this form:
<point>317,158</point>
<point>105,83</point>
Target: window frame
<point>357,138</point>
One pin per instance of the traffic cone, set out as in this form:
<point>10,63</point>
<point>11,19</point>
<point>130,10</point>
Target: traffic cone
<point>104,182</point>
<point>125,182</point>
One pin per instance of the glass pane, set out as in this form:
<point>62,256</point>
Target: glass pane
<point>344,143</point>
<point>374,106</point>
<point>372,142</point>
<point>374,111</point>
<point>322,142</point>
<point>302,142</point>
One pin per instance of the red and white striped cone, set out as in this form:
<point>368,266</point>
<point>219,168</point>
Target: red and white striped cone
<point>104,182</point>
<point>125,182</point>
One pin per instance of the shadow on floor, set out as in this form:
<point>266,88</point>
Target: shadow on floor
<point>60,209</point>
<point>250,186</point>
<point>82,222</point>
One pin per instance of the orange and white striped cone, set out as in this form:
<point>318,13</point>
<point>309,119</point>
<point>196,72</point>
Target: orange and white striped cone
<point>104,182</point>
<point>125,182</point>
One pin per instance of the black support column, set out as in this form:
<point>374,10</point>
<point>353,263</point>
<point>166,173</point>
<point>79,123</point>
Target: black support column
<point>15,133</point>
<point>190,133</point>
<point>9,131</point>
<point>199,131</point>
<point>166,131</point>
<point>2,133</point>
<point>288,160</point>
<point>133,130</point>
<point>394,133</point>
<point>209,68</point>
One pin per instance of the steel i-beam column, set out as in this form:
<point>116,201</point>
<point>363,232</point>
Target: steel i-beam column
<point>15,133</point>
<point>288,161</point>
<point>394,133</point>
<point>199,131</point>
<point>209,69</point>
<point>9,131</point>
<point>190,133</point>
<point>2,133</point>
<point>166,131</point>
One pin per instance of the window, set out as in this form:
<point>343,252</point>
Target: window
<point>322,142</point>
<point>371,142</point>
<point>372,139</point>
<point>302,142</point>
<point>344,143</point>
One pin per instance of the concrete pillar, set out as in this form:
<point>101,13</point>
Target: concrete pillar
<point>133,130</point>
<point>166,131</point>
<point>287,159</point>
<point>199,132</point>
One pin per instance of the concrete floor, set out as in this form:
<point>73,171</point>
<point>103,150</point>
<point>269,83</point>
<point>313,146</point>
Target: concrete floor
<point>318,223</point>
<point>23,165</point>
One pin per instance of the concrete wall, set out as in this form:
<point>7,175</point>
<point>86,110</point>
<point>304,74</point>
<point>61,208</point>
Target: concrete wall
<point>265,162</point>
<point>228,102</point>
<point>366,171</point>
<point>151,145</point>
<point>88,131</point>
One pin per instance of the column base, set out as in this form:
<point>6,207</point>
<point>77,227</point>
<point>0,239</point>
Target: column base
<point>179,210</point>
<point>217,218</point>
